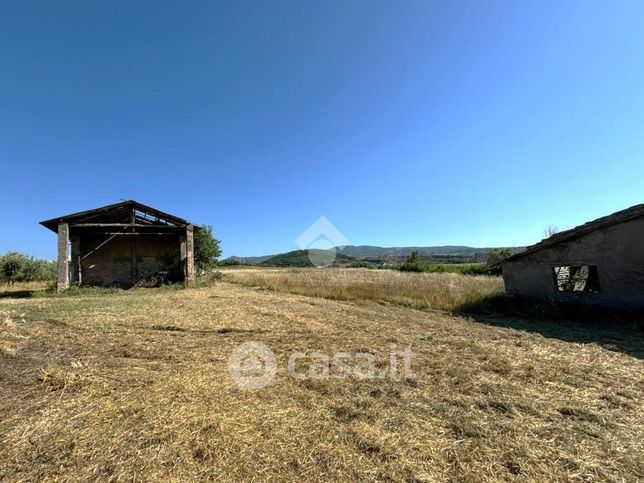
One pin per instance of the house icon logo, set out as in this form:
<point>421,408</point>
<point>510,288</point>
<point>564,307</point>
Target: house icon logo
<point>321,240</point>
<point>252,365</point>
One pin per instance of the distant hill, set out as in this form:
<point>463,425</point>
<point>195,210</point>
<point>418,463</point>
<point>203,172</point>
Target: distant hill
<point>366,251</point>
<point>373,254</point>
<point>301,258</point>
<point>248,260</point>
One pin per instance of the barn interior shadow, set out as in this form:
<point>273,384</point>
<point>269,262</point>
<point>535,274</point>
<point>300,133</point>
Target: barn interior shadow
<point>614,330</point>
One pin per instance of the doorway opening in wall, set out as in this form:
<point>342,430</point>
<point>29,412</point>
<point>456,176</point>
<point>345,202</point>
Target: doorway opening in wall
<point>577,278</point>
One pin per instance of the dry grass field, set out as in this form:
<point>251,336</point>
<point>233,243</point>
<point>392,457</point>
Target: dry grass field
<point>134,385</point>
<point>440,291</point>
<point>22,286</point>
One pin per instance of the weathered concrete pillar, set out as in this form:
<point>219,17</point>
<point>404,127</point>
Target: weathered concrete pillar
<point>190,276</point>
<point>63,257</point>
<point>75,264</point>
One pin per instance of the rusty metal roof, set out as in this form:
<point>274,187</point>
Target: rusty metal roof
<point>119,213</point>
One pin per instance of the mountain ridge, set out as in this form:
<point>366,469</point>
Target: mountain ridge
<point>450,253</point>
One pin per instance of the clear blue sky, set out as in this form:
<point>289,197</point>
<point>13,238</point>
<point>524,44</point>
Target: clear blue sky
<point>405,123</point>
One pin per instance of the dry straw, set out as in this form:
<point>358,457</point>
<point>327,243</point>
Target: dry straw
<point>134,385</point>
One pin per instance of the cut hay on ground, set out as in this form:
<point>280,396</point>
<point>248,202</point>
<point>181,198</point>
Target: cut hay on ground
<point>134,385</point>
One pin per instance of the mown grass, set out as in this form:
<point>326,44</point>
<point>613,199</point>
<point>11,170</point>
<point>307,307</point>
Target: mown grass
<point>134,385</point>
<point>440,291</point>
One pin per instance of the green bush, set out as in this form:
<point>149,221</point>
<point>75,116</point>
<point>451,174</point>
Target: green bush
<point>415,263</point>
<point>16,267</point>
<point>497,256</point>
<point>362,264</point>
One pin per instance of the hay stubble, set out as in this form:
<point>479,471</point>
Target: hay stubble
<point>135,385</point>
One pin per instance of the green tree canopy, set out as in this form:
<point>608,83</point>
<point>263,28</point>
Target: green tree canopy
<point>415,263</point>
<point>498,255</point>
<point>16,267</point>
<point>207,249</point>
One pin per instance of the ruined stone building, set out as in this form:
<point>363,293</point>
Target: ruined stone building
<point>121,245</point>
<point>601,262</point>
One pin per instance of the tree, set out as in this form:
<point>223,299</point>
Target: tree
<point>207,249</point>
<point>498,255</point>
<point>414,263</point>
<point>549,231</point>
<point>16,267</point>
<point>39,270</point>
<point>13,267</point>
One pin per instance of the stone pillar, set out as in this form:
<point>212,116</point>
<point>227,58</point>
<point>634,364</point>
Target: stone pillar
<point>189,273</point>
<point>63,257</point>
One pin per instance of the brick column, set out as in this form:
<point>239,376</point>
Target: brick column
<point>63,257</point>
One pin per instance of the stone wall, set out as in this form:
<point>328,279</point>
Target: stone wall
<point>127,259</point>
<point>617,251</point>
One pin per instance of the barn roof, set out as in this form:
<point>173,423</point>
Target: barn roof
<point>628,214</point>
<point>124,212</point>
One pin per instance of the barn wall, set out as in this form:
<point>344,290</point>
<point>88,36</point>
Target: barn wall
<point>128,256</point>
<point>617,251</point>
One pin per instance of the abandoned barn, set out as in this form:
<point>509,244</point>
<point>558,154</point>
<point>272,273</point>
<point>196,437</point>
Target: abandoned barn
<point>601,263</point>
<point>121,245</point>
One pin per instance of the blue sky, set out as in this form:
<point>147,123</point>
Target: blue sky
<point>404,123</point>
